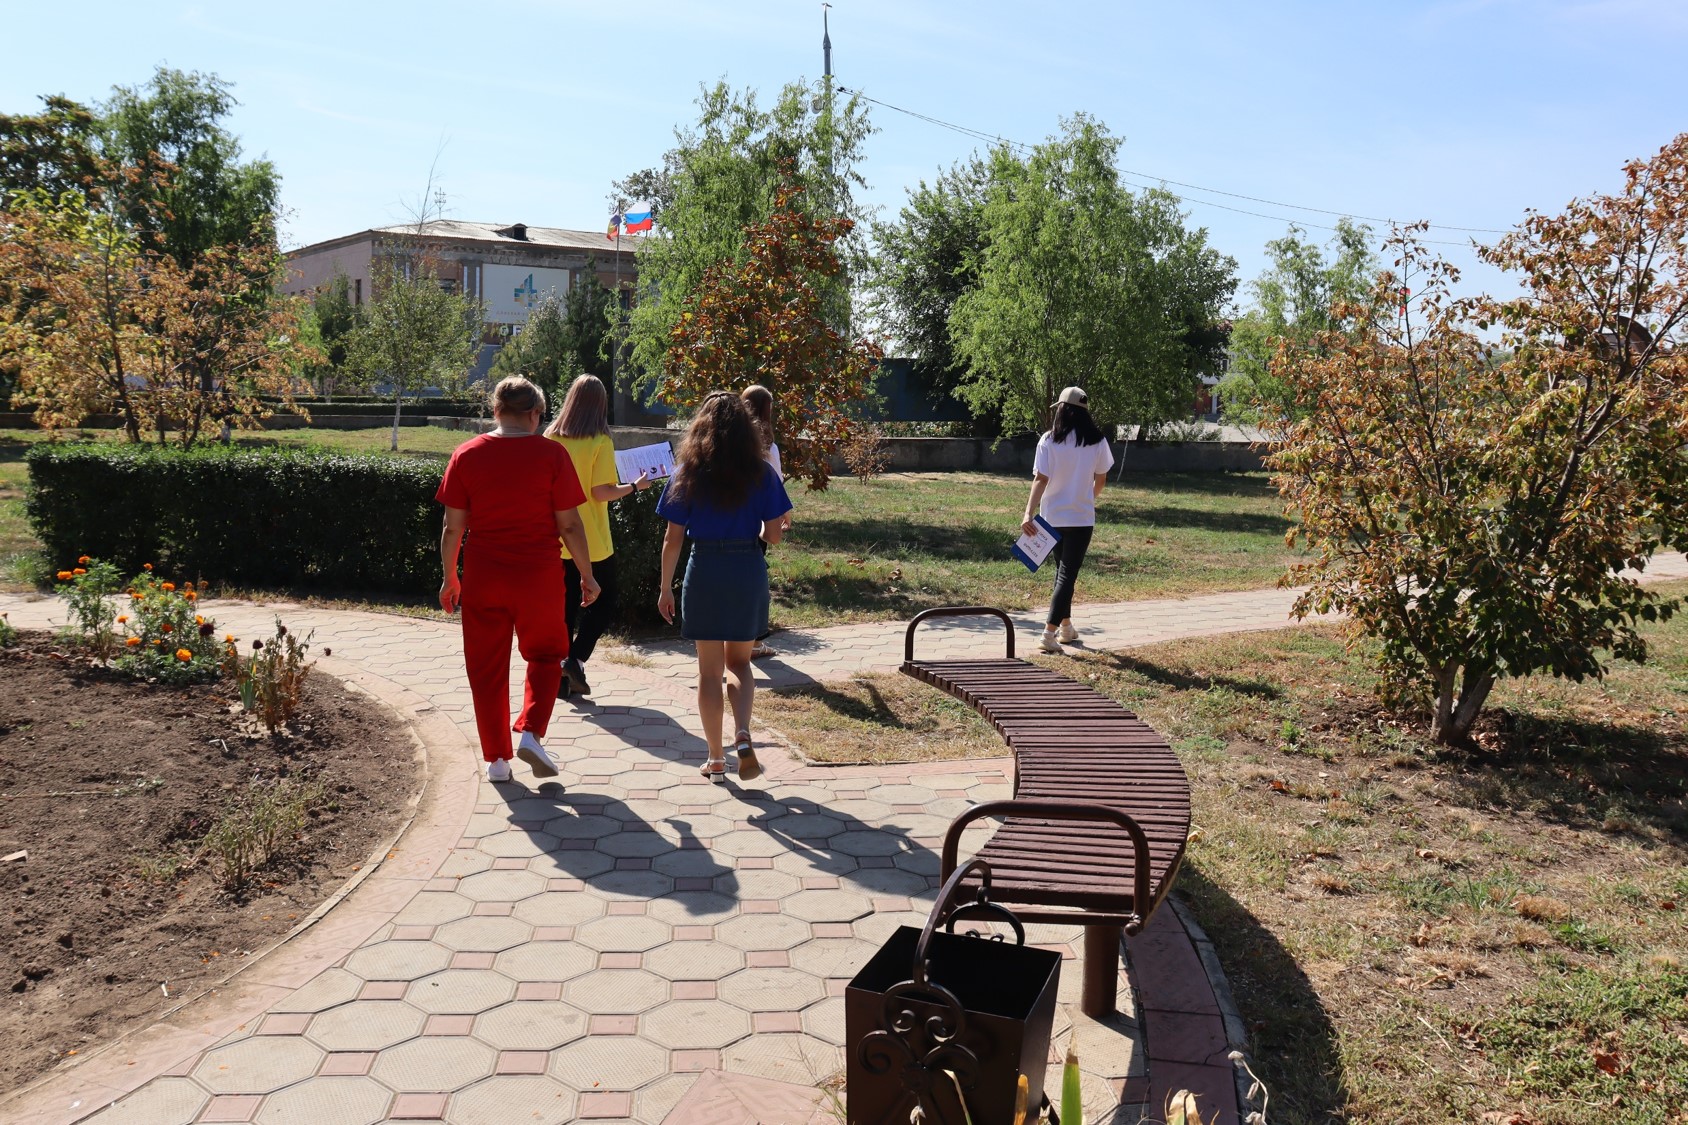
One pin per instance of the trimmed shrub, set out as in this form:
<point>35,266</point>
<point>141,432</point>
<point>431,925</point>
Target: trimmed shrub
<point>284,518</point>
<point>276,518</point>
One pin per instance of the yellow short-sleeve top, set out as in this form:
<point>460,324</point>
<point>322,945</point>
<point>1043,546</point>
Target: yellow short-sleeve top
<point>594,464</point>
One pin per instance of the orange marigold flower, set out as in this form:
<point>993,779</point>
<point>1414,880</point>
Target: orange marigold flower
<point>146,566</point>
<point>191,596</point>
<point>84,560</point>
<point>123,618</point>
<point>157,643</point>
<point>134,597</point>
<point>79,570</point>
<point>167,628</point>
<point>229,639</point>
<point>132,641</point>
<point>65,576</point>
<point>168,587</point>
<point>183,655</point>
<point>198,620</point>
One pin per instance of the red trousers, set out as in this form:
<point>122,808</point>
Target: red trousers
<point>528,601</point>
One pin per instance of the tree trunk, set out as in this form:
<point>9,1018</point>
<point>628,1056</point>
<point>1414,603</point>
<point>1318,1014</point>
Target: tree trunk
<point>1451,725</point>
<point>398,404</point>
<point>1442,719</point>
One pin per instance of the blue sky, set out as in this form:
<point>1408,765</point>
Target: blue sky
<point>1465,112</point>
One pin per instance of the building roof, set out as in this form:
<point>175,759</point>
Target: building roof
<point>457,230</point>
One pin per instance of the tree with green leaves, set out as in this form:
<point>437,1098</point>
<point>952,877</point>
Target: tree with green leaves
<point>333,318</point>
<point>1477,479</point>
<point>925,261</point>
<point>1084,282</point>
<point>54,151</point>
<point>416,334</point>
<point>764,320</point>
<point>1294,299</point>
<point>721,177</point>
<point>208,196</point>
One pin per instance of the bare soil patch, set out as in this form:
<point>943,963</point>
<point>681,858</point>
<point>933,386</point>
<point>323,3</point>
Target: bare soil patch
<point>109,785</point>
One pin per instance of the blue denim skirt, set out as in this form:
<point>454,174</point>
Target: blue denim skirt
<point>724,595</point>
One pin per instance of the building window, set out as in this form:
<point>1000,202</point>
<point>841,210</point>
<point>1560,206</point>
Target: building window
<point>357,290</point>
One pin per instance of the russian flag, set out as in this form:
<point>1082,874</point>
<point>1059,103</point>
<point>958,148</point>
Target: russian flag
<point>638,221</point>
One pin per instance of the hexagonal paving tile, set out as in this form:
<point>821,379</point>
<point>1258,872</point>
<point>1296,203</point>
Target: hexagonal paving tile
<point>162,1099</point>
<point>690,863</point>
<point>342,1100</point>
<point>587,826</point>
<point>620,886</point>
<point>501,886</point>
<point>623,934</point>
<point>546,961</point>
<point>694,960</point>
<point>634,843</point>
<point>766,884</point>
<point>693,1024</point>
<point>832,957</point>
<point>464,862</point>
<point>887,881</point>
<point>461,991</point>
<point>528,1025</point>
<point>524,844</point>
<point>488,935</point>
<point>904,795</point>
<point>869,842</point>
<point>656,1101</point>
<point>560,908</point>
<point>398,960</point>
<point>366,1025</point>
<point>609,1063</point>
<point>258,1065</point>
<point>433,908</point>
<point>693,908</point>
<point>827,906</point>
<point>808,827</point>
<point>825,1020</point>
<point>762,931</point>
<point>771,990</point>
<point>325,990</point>
<point>608,991</point>
<point>744,842</point>
<point>490,1102</point>
<point>434,1063</point>
<point>802,1059</point>
<point>575,863</point>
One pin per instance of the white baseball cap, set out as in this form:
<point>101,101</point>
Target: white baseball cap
<point>1073,396</point>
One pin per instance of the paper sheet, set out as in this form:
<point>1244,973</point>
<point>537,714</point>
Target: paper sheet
<point>655,461</point>
<point>1033,549</point>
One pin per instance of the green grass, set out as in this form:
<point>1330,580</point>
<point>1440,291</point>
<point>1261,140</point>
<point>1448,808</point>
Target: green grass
<point>890,547</point>
<point>1414,934</point>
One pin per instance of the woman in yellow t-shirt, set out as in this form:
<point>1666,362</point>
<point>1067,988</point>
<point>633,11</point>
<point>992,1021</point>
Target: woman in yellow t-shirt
<point>582,426</point>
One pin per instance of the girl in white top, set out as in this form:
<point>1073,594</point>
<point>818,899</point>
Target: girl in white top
<point>1068,474</point>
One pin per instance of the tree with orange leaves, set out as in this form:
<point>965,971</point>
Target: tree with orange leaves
<point>99,319</point>
<point>762,319</point>
<point>1474,477</point>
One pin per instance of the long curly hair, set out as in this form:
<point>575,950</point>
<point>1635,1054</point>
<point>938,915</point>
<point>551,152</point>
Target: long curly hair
<point>719,461</point>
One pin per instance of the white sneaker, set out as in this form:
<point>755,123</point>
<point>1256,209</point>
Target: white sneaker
<point>530,751</point>
<point>1069,635</point>
<point>498,770</point>
<point>1047,643</point>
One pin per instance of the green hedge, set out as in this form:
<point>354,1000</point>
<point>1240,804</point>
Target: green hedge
<point>294,519</point>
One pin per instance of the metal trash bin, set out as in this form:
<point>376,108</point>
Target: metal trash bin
<point>936,1016</point>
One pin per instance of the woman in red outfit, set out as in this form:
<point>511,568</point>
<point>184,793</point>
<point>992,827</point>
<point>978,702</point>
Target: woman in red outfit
<point>515,494</point>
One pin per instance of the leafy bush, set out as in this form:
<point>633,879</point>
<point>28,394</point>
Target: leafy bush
<point>166,638</point>
<point>258,823</point>
<point>8,631</point>
<point>87,589</point>
<point>272,679</point>
<point>261,517</point>
<point>284,518</point>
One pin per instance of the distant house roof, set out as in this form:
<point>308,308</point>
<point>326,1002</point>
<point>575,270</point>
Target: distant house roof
<point>512,234</point>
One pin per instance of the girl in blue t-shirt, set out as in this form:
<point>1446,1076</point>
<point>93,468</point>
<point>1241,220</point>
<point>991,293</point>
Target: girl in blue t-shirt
<point>726,499</point>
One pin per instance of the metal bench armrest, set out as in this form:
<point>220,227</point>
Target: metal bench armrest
<point>956,611</point>
<point>1050,808</point>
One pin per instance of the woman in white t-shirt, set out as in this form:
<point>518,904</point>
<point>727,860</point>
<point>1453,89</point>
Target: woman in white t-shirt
<point>1068,474</point>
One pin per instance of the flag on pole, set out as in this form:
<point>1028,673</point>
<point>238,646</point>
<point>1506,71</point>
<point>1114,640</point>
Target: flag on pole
<point>639,220</point>
<point>615,226</point>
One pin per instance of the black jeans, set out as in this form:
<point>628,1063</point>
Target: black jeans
<point>1069,556</point>
<point>588,624</point>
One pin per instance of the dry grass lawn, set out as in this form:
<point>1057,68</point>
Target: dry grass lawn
<point>1414,936</point>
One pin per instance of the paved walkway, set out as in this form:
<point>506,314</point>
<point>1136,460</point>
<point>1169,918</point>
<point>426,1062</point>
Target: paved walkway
<point>700,929</point>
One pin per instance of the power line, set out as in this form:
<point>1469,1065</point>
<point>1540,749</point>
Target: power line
<point>990,138</point>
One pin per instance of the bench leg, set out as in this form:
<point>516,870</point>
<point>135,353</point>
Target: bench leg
<point>1101,971</point>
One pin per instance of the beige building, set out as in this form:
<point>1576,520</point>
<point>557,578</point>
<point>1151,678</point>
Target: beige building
<point>510,269</point>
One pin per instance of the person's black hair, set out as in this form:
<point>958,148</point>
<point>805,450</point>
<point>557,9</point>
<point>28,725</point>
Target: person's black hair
<point>1071,418</point>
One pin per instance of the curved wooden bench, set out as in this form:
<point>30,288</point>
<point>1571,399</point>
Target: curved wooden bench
<point>1096,829</point>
